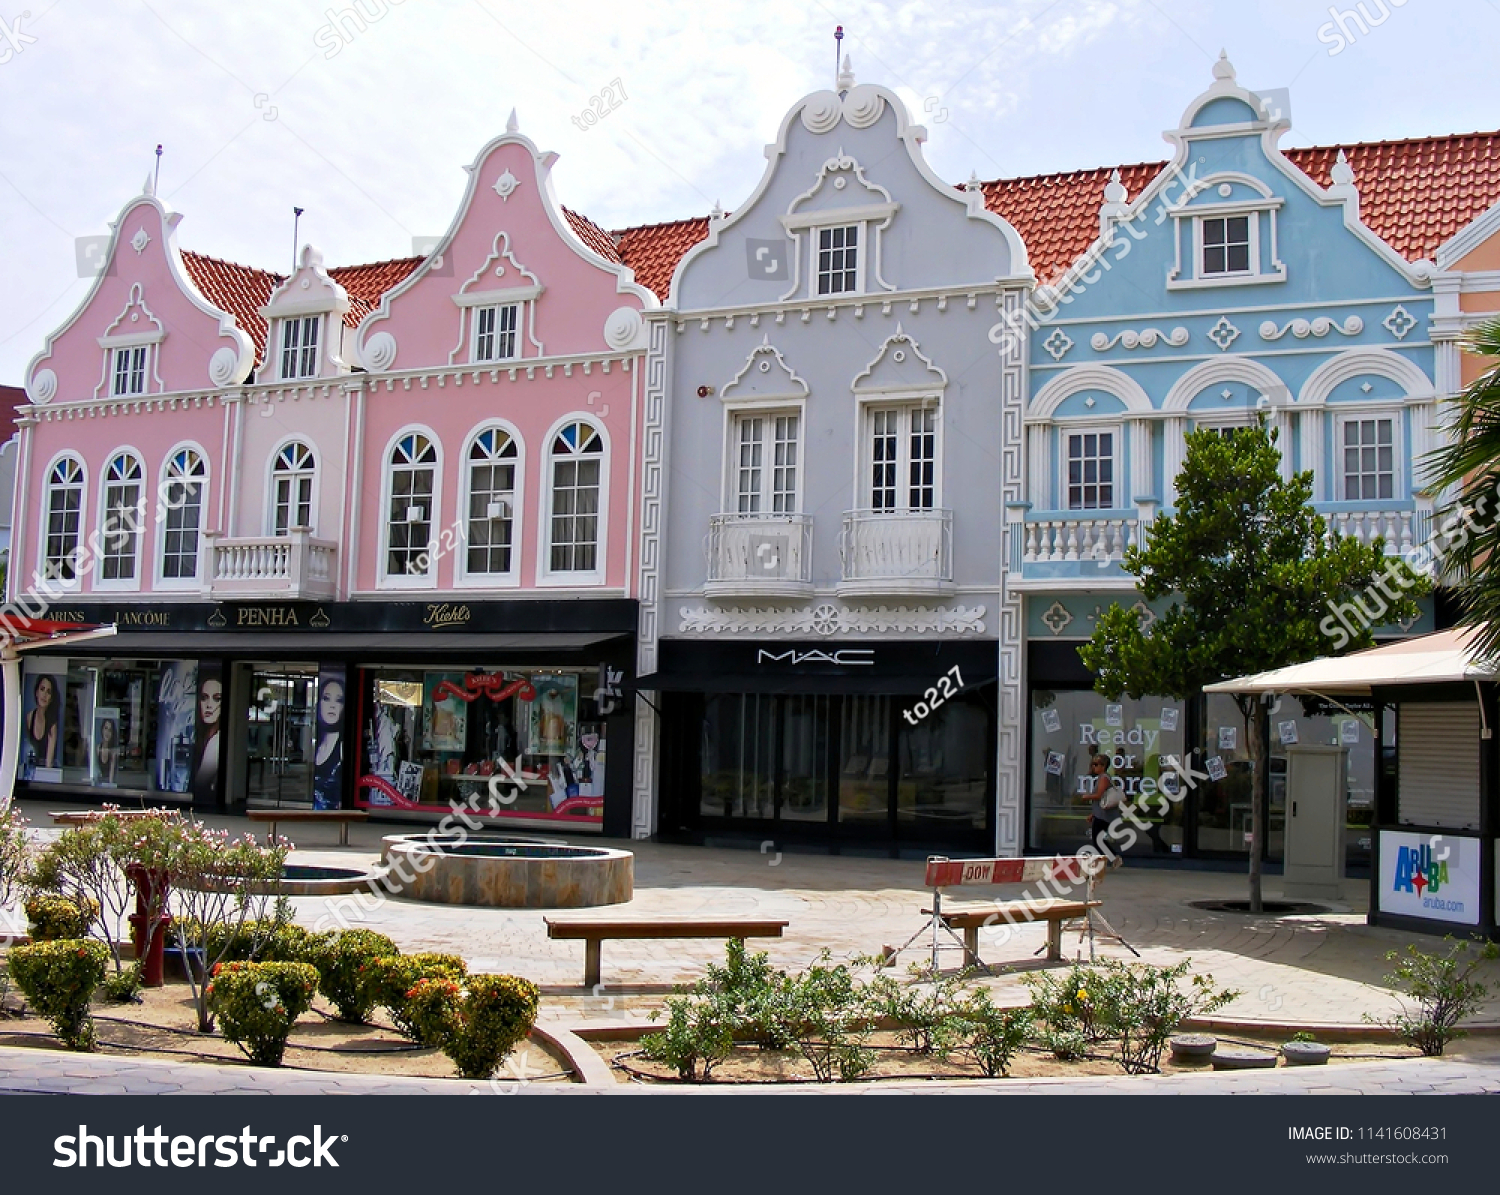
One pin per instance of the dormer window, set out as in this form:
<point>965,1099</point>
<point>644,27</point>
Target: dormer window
<point>130,370</point>
<point>1226,245</point>
<point>838,260</point>
<point>299,347</point>
<point>495,332</point>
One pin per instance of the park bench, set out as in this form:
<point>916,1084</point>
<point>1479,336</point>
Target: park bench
<point>342,816</point>
<point>594,931</point>
<point>83,817</point>
<point>972,918</point>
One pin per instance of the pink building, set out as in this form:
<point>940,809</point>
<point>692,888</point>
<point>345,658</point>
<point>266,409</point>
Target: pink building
<point>376,523</point>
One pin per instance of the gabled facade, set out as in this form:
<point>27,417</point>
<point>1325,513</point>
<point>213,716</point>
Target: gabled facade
<point>824,504</point>
<point>1231,287</point>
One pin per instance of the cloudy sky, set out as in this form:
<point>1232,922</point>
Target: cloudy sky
<point>267,105</point>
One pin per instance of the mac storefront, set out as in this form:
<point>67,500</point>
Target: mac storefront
<point>876,744</point>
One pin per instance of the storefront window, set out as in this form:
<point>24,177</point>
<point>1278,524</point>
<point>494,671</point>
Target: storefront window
<point>1224,799</point>
<point>110,724</point>
<point>1070,727</point>
<point>865,761</point>
<point>738,777</point>
<point>432,738</point>
<point>944,762</point>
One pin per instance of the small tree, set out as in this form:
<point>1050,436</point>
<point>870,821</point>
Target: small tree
<point>219,885</point>
<point>1251,569</point>
<point>15,852</point>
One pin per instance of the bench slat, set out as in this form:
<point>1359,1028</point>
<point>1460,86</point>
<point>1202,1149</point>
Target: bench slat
<point>1017,911</point>
<point>638,929</point>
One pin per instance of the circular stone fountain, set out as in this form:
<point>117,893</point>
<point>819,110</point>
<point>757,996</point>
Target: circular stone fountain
<point>507,873</point>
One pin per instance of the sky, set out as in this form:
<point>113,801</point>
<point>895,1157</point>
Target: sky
<point>364,113</point>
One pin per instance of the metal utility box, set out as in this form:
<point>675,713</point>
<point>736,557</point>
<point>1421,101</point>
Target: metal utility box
<point>1316,795</point>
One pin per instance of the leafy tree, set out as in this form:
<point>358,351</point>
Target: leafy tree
<point>1471,464</point>
<point>1251,569</point>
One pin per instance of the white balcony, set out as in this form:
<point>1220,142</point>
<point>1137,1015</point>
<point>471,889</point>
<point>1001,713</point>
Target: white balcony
<point>1065,540</point>
<point>1402,530</point>
<point>292,567</point>
<point>759,556</point>
<point>896,553</point>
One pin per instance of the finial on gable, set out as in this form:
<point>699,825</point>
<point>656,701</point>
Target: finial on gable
<point>1114,206</point>
<point>512,125</point>
<point>149,188</point>
<point>1342,173</point>
<point>717,213</point>
<point>973,184</point>
<point>1114,190</point>
<point>1224,69</point>
<point>311,257</point>
<point>846,76</point>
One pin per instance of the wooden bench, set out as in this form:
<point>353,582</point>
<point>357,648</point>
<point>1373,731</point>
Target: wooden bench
<point>595,930</point>
<point>972,918</point>
<point>342,816</point>
<point>84,817</point>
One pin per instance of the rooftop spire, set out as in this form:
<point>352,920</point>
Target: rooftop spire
<point>1224,69</point>
<point>846,76</point>
<point>512,125</point>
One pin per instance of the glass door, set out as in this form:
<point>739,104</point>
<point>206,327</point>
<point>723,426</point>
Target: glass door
<point>279,742</point>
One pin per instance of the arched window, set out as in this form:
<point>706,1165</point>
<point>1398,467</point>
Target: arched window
<point>124,511</point>
<point>413,480</point>
<point>292,477</point>
<point>493,459</point>
<point>183,482</point>
<point>577,456</point>
<point>64,515</point>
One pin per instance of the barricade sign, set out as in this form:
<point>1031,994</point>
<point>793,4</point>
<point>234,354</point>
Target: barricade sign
<point>951,873</point>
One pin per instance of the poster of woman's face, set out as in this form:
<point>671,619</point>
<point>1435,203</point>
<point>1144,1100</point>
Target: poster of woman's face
<point>328,749</point>
<point>104,760</point>
<point>41,723</point>
<point>206,727</point>
<point>176,718</point>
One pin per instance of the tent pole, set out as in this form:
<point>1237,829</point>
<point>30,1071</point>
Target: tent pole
<point>10,746</point>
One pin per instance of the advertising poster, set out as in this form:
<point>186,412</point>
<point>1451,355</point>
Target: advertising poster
<point>328,751</point>
<point>104,759</point>
<point>207,738</point>
<point>42,696</point>
<point>1228,737</point>
<point>552,718</point>
<point>1288,732</point>
<point>1433,876</point>
<point>176,717</point>
<point>446,725</point>
<point>1051,721</point>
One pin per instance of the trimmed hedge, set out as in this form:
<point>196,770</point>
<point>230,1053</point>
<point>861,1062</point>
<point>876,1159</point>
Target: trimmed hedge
<point>58,979</point>
<point>54,918</point>
<point>258,1003</point>
<point>339,958</point>
<point>385,983</point>
<point>477,1024</point>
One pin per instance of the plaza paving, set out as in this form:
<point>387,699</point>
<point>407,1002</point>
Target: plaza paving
<point>1317,970</point>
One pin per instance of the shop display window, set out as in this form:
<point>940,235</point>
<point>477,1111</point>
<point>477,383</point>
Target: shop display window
<point>526,743</point>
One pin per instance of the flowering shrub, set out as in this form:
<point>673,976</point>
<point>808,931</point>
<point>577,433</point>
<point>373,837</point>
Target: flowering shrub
<point>264,940</point>
<point>476,1024</point>
<point>258,1003</point>
<point>339,958</point>
<point>1445,991</point>
<point>993,1034</point>
<point>52,918</point>
<point>15,851</point>
<point>58,978</point>
<point>385,982</point>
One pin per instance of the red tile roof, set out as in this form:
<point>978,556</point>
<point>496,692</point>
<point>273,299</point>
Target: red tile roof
<point>366,284</point>
<point>239,290</point>
<point>653,250</point>
<point>593,236</point>
<point>1415,194</point>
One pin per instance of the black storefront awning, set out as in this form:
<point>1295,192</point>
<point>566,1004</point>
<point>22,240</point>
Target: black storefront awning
<point>765,667</point>
<point>310,644</point>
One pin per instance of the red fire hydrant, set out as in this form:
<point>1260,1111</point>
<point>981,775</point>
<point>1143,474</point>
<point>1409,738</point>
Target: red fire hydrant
<point>150,891</point>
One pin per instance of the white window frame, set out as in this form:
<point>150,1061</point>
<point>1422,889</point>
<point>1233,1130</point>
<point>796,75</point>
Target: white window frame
<point>1265,265</point>
<point>545,574</point>
<point>904,406</point>
<point>1367,414</point>
<point>130,353</point>
<point>766,491</point>
<point>164,512</point>
<point>75,583</point>
<point>516,333</point>
<point>814,246</point>
<point>273,474</point>
<point>509,580</point>
<point>133,582</point>
<point>1117,477</point>
<point>287,323</point>
<point>428,579</point>
<point>1252,246</point>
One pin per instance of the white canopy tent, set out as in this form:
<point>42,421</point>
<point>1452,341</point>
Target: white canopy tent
<point>1442,658</point>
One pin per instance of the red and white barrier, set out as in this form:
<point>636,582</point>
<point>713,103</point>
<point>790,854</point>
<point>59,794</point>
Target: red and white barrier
<point>951,873</point>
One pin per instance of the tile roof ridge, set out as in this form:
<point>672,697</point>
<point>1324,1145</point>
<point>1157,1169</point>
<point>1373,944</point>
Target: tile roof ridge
<point>659,224</point>
<point>370,265</point>
<point>237,265</point>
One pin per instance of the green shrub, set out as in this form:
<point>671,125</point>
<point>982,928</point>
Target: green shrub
<point>15,851</point>
<point>264,940</point>
<point>1147,1003</point>
<point>339,958</point>
<point>1067,1045</point>
<point>123,987</point>
<point>993,1035</point>
<point>1444,990</point>
<point>1080,1000</point>
<point>751,993</point>
<point>258,1003</point>
<point>830,1021</point>
<point>58,978</point>
<point>54,918</point>
<point>1305,1036</point>
<point>698,1036</point>
<point>477,1024</point>
<point>385,983</point>
<point>924,1011</point>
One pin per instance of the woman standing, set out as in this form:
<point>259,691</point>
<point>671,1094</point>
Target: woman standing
<point>41,723</point>
<point>1105,808</point>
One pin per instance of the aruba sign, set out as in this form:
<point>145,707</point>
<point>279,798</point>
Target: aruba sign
<point>1431,876</point>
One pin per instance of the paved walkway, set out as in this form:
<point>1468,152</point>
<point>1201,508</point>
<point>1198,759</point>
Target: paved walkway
<point>1315,971</point>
